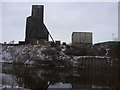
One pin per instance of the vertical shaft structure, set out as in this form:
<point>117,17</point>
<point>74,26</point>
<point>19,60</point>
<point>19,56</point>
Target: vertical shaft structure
<point>36,30</point>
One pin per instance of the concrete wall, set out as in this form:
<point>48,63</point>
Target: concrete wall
<point>81,38</point>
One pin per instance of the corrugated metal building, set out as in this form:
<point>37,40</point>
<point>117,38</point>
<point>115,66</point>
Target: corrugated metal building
<point>81,38</point>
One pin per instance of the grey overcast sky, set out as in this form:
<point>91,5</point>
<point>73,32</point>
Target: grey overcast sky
<point>63,18</point>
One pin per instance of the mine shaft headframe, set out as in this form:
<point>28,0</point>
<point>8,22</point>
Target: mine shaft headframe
<point>38,11</point>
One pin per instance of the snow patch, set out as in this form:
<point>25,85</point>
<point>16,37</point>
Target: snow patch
<point>60,85</point>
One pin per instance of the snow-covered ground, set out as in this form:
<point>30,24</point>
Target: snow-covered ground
<point>8,81</point>
<point>9,87</point>
<point>60,85</point>
<point>29,54</point>
<point>36,55</point>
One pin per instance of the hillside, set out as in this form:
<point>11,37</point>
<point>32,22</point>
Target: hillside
<point>34,66</point>
<point>30,54</point>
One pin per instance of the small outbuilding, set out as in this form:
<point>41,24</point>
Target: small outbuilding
<point>81,38</point>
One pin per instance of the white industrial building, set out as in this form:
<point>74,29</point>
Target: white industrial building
<point>81,38</point>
